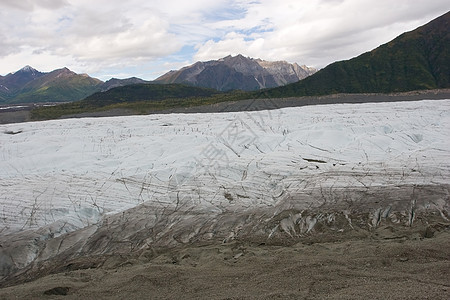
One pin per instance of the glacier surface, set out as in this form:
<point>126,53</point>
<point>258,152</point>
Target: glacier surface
<point>182,176</point>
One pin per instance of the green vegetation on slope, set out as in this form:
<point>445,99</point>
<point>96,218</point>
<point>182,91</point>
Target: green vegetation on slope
<point>57,86</point>
<point>63,93</point>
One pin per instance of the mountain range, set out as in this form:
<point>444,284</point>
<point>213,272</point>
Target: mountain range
<point>238,73</point>
<point>242,73</point>
<point>29,85</point>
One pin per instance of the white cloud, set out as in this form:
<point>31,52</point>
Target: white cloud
<point>115,36</point>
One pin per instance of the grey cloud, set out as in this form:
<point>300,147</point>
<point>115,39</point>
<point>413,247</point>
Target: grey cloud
<point>29,5</point>
<point>7,46</point>
<point>90,22</point>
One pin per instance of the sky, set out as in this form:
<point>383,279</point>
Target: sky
<point>147,38</point>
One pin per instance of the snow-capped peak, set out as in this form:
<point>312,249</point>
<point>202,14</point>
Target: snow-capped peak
<point>28,69</point>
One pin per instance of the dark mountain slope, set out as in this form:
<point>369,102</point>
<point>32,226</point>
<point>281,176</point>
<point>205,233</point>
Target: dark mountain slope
<point>114,82</point>
<point>416,60</point>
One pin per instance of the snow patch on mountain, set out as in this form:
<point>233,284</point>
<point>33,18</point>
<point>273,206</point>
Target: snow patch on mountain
<point>28,69</point>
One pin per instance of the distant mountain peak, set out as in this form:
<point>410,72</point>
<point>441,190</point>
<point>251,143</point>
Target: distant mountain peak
<point>65,72</point>
<point>65,69</point>
<point>236,57</point>
<point>27,69</point>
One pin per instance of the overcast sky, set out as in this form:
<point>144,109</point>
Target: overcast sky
<point>146,38</point>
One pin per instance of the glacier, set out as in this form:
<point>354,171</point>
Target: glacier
<point>90,186</point>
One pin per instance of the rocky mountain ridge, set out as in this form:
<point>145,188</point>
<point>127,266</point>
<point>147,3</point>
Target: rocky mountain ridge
<point>238,73</point>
